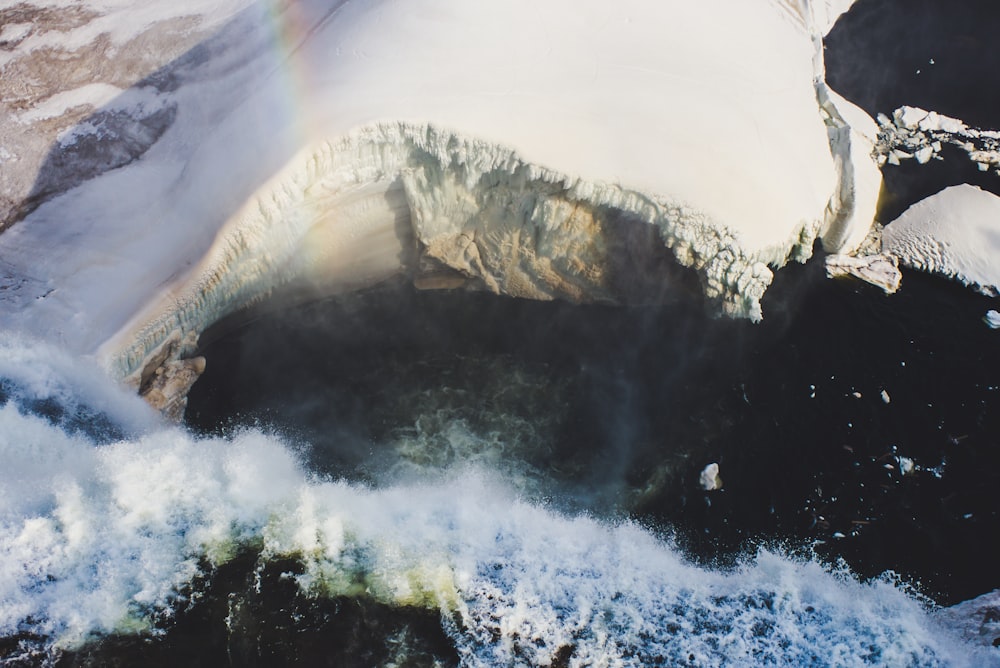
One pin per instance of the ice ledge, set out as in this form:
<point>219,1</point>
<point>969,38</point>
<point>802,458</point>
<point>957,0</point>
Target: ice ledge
<point>955,233</point>
<point>396,197</point>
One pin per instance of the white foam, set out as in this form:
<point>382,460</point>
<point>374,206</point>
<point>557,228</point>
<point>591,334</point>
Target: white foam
<point>102,538</point>
<point>33,372</point>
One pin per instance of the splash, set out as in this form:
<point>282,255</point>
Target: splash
<point>106,538</point>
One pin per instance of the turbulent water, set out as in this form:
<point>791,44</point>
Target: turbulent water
<point>427,523</point>
<point>399,478</point>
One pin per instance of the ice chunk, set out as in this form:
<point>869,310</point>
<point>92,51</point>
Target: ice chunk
<point>881,270</point>
<point>992,318</point>
<point>853,139</point>
<point>924,154</point>
<point>955,233</point>
<point>909,117</point>
<point>978,620</point>
<point>906,465</point>
<point>709,478</point>
<point>918,133</point>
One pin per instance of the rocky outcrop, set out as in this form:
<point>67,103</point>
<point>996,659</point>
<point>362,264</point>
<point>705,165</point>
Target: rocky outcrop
<point>166,377</point>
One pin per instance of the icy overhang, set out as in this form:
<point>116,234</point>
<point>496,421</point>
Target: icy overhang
<point>455,120</point>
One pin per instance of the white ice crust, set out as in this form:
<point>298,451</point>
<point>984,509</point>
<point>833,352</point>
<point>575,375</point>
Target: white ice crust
<point>913,132</point>
<point>955,233</point>
<point>708,120</point>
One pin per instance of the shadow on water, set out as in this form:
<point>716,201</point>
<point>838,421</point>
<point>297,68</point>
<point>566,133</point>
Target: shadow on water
<point>393,382</point>
<point>617,409</point>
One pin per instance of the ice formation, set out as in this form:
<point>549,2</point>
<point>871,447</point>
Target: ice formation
<point>454,141</point>
<point>709,478</point>
<point>955,233</point>
<point>915,133</point>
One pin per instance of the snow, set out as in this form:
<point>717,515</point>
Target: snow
<point>14,32</point>
<point>547,95</point>
<point>707,128</point>
<point>116,20</point>
<point>955,233</point>
<point>92,95</point>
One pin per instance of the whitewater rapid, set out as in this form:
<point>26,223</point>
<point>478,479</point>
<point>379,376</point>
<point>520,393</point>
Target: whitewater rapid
<point>106,526</point>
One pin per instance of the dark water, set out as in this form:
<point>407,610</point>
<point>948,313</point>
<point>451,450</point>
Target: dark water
<point>879,55</point>
<point>258,617</point>
<point>614,411</point>
<point>618,409</point>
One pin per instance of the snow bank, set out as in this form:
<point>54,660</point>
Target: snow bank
<point>439,122</point>
<point>955,233</point>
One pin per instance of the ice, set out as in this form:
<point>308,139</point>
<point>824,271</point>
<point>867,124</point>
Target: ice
<point>881,269</point>
<point>709,478</point>
<point>915,132</point>
<point>14,32</point>
<point>955,233</point>
<point>434,103</point>
<point>909,117</point>
<point>924,154</point>
<point>977,618</point>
